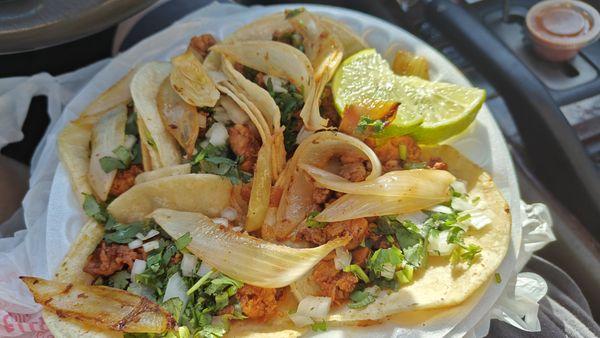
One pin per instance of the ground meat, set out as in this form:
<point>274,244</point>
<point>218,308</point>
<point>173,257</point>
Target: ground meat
<point>245,141</point>
<point>246,191</point>
<point>334,283</point>
<point>354,167</point>
<point>377,241</point>
<point>321,195</point>
<point>437,163</point>
<point>392,165</point>
<point>390,149</point>
<point>125,179</point>
<point>360,256</point>
<point>355,228</point>
<point>201,43</point>
<point>110,258</point>
<point>327,108</point>
<point>257,303</point>
<point>354,172</point>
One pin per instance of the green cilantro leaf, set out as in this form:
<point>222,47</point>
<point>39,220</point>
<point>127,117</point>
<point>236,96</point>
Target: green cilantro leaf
<point>119,280</point>
<point>311,223</point>
<point>360,299</point>
<point>319,326</point>
<point>183,241</point>
<point>498,278</point>
<point>93,209</point>
<point>290,13</point>
<point>366,123</point>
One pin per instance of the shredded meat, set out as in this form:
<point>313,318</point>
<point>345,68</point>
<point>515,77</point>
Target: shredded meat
<point>390,149</point>
<point>110,258</point>
<point>257,303</point>
<point>246,191</point>
<point>437,163</point>
<point>355,228</point>
<point>392,165</point>
<point>360,256</point>
<point>245,141</point>
<point>327,108</point>
<point>334,283</point>
<point>125,179</point>
<point>201,43</point>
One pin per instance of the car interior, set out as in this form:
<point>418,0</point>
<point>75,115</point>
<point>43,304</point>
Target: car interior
<point>548,111</point>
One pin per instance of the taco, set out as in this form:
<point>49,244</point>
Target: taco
<point>212,214</point>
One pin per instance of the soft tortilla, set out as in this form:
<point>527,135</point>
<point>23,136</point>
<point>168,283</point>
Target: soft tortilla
<point>440,284</point>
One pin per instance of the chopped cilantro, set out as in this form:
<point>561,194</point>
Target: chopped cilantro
<point>119,280</point>
<point>391,256</point>
<point>360,299</point>
<point>291,38</point>
<point>319,326</point>
<point>311,223</point>
<point>357,271</point>
<point>498,278</point>
<point>368,124</point>
<point>215,160</point>
<point>94,209</point>
<point>289,103</point>
<point>131,127</point>
<point>405,275</point>
<point>121,161</point>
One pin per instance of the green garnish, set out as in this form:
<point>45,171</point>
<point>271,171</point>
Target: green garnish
<point>122,160</point>
<point>289,104</point>
<point>405,275</point>
<point>119,280</point>
<point>366,123</point>
<point>183,241</point>
<point>402,152</point>
<point>319,326</point>
<point>94,209</point>
<point>498,278</point>
<point>311,223</point>
<point>291,38</point>
<point>215,160</point>
<point>382,259</point>
<point>357,271</point>
<point>360,299</point>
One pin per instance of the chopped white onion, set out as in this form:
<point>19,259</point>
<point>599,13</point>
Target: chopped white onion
<point>217,76</point>
<point>221,221</point>
<point>438,245</point>
<point>138,267</point>
<point>459,186</point>
<point>136,243</point>
<point>278,83</point>
<point>188,263</point>
<point>461,204</point>
<point>314,307</point>
<point>204,269</point>
<point>235,113</point>
<point>342,259</point>
<point>152,245</point>
<point>441,209</point>
<point>220,115</point>
<point>417,217</point>
<point>217,134</point>
<point>229,213</point>
<point>204,144</point>
<point>176,288</point>
<point>129,141</point>
<point>238,228</point>
<point>300,320</point>
<point>150,234</point>
<point>478,219</point>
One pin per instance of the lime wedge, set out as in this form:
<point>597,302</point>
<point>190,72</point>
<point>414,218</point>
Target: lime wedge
<point>430,111</point>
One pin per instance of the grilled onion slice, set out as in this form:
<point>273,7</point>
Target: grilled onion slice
<point>241,256</point>
<point>100,306</point>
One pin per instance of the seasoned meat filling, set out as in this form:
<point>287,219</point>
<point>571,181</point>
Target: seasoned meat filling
<point>125,179</point>
<point>333,283</point>
<point>245,141</point>
<point>257,303</point>
<point>355,228</point>
<point>201,43</point>
<point>110,258</point>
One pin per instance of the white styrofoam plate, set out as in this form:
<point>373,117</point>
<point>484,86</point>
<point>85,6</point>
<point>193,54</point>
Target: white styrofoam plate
<point>482,143</point>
